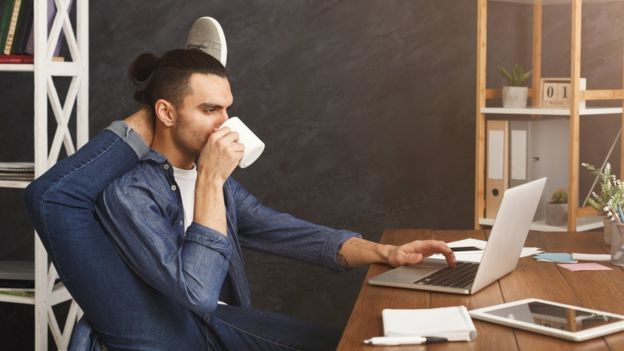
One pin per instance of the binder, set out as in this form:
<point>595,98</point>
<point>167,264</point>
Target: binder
<point>497,177</point>
<point>519,169</point>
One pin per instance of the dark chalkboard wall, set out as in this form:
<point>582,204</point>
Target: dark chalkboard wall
<point>366,107</point>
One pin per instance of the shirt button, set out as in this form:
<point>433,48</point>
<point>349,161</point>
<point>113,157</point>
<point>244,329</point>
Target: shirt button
<point>166,166</point>
<point>173,187</point>
<point>181,222</point>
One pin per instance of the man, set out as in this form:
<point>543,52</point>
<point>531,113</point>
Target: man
<point>145,210</point>
<point>180,220</point>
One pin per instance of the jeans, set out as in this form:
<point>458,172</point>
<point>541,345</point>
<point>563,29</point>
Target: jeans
<point>125,312</point>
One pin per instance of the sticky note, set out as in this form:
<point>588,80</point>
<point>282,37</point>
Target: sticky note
<point>574,267</point>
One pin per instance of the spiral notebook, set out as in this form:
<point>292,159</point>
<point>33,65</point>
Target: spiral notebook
<point>453,323</point>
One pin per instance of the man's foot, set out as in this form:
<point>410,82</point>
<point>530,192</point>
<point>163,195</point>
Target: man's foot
<point>207,35</point>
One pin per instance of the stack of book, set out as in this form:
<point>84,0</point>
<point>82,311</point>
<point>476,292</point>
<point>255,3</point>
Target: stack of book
<point>17,171</point>
<point>16,30</point>
<point>17,278</point>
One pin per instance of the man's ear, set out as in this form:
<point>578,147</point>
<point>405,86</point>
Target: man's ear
<point>165,112</point>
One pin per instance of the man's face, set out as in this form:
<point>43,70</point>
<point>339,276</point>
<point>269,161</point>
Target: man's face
<point>202,111</point>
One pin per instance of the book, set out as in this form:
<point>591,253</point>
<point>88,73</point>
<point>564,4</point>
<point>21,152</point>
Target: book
<point>25,59</point>
<point>30,44</point>
<point>16,59</point>
<point>12,27</point>
<point>24,26</point>
<point>5,19</point>
<point>453,323</point>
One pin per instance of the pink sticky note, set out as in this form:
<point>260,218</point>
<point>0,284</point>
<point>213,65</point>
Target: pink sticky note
<point>584,267</point>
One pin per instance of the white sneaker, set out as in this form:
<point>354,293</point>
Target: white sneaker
<point>207,35</point>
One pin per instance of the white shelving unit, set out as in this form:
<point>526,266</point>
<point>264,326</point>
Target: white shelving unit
<point>47,291</point>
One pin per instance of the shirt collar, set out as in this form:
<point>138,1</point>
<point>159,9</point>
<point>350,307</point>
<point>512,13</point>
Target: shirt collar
<point>155,156</point>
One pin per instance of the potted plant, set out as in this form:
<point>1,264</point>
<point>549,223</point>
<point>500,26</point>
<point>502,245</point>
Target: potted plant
<point>610,199</point>
<point>557,208</point>
<point>514,94</point>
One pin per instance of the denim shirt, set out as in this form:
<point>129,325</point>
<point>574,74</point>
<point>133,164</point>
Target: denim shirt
<point>142,212</point>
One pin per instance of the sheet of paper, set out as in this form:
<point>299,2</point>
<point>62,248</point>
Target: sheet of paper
<point>476,256</point>
<point>559,257</point>
<point>575,267</point>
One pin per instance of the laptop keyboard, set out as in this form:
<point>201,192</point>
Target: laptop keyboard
<point>461,276</point>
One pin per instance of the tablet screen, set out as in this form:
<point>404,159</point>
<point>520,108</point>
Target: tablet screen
<point>553,316</point>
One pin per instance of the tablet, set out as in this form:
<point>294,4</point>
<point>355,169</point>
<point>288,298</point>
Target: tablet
<point>553,319</point>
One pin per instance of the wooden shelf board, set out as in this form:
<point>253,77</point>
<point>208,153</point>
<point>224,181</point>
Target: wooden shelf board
<point>553,2</point>
<point>551,111</point>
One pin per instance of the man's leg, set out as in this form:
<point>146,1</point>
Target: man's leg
<point>238,328</point>
<point>126,313</point>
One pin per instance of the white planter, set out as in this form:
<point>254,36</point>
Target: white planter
<point>556,214</point>
<point>515,97</point>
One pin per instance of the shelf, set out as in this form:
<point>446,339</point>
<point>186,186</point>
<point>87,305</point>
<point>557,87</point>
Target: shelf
<point>551,111</point>
<point>17,284</point>
<point>67,69</point>
<point>17,67</point>
<point>16,184</point>
<point>17,296</point>
<point>583,224</point>
<point>553,2</point>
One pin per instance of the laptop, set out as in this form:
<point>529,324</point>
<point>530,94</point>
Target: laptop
<point>500,256</point>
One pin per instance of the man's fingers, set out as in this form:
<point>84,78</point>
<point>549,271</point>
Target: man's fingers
<point>429,247</point>
<point>415,258</point>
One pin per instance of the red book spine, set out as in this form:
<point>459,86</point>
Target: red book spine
<point>16,59</point>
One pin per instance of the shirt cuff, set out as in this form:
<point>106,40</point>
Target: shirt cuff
<point>332,247</point>
<point>210,238</point>
<point>130,137</point>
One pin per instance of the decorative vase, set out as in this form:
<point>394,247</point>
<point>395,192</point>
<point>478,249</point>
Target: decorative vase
<point>556,214</point>
<point>608,229</point>
<point>515,97</point>
<point>617,243</point>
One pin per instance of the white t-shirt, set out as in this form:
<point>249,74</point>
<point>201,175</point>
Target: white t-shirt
<point>186,182</point>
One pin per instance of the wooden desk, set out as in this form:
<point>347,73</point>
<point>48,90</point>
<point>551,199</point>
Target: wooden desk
<point>603,290</point>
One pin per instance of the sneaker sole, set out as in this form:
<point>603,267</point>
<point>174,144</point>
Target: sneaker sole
<point>215,49</point>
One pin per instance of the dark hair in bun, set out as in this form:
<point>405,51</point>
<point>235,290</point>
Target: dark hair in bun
<point>167,77</point>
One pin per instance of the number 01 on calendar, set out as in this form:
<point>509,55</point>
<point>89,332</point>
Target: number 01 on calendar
<point>556,92</point>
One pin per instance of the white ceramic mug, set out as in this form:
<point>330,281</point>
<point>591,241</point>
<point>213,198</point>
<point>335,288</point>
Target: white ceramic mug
<point>253,145</point>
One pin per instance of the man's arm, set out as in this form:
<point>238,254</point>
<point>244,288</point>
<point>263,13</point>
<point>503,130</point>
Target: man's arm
<point>188,268</point>
<point>263,229</point>
<point>357,252</point>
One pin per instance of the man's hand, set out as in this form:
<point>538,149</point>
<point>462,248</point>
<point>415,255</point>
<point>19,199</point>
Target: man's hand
<point>416,251</point>
<point>217,160</point>
<point>220,155</point>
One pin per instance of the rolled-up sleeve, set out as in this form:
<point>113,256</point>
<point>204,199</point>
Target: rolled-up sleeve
<point>263,229</point>
<point>189,268</point>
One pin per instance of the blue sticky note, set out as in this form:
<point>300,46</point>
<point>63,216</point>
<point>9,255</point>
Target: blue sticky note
<point>559,257</point>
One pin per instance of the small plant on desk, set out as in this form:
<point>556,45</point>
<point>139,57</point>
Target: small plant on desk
<point>557,208</point>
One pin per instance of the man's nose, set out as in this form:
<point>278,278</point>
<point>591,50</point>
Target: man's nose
<point>224,117</point>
